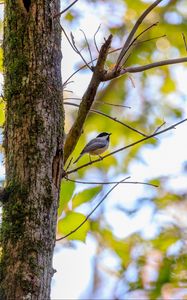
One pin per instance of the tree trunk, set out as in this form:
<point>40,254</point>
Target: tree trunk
<point>33,147</point>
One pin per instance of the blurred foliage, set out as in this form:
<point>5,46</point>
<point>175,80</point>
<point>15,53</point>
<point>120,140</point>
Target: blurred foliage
<point>70,222</point>
<point>146,267</point>
<point>85,196</point>
<point>66,191</point>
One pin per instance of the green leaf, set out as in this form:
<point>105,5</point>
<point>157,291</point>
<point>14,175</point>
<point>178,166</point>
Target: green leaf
<point>66,191</point>
<point>85,196</point>
<point>71,221</point>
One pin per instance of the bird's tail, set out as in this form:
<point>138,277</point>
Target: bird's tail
<point>78,158</point>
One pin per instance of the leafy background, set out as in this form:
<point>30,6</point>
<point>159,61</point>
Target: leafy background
<point>134,245</point>
<point>139,232</point>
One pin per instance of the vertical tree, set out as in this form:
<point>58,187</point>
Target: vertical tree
<point>33,147</point>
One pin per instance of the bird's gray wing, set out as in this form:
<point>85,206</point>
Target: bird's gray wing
<point>93,145</point>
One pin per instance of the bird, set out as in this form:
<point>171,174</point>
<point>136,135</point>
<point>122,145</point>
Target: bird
<point>96,146</point>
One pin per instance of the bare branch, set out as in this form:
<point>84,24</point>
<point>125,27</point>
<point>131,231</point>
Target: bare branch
<point>74,47</point>
<point>93,210</point>
<point>110,182</point>
<point>145,30</point>
<point>134,43</point>
<point>84,66</point>
<point>148,40</point>
<point>101,75</point>
<point>95,182</point>
<point>128,146</point>
<point>154,65</point>
<point>63,11</point>
<point>109,117</point>
<point>159,127</point>
<point>87,100</point>
<point>67,37</point>
<point>184,39</point>
<point>78,52</point>
<point>88,46</point>
<point>137,69</point>
<point>134,29</point>
<point>95,38</point>
<point>132,81</point>
<point>112,104</point>
<point>66,85</point>
<point>100,102</point>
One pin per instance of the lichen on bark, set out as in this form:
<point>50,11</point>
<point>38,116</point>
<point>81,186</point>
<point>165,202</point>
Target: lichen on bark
<point>33,140</point>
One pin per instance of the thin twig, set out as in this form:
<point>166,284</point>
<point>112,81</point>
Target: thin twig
<point>145,30</point>
<point>63,11</point>
<point>100,102</point>
<point>87,100</point>
<point>92,211</point>
<point>132,81</point>
<point>67,84</point>
<point>110,182</point>
<point>95,43</point>
<point>153,65</point>
<point>68,91</point>
<point>84,66</point>
<point>117,121</point>
<point>101,75</point>
<point>109,117</point>
<point>112,104</point>
<point>72,98</point>
<point>67,37</point>
<point>184,39</point>
<point>78,52</point>
<point>156,130</point>
<point>128,146</point>
<point>148,40</point>
<point>133,43</point>
<point>74,47</point>
<point>134,29</point>
<point>95,182</point>
<point>88,46</point>
<point>137,69</point>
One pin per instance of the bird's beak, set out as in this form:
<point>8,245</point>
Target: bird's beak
<point>109,133</point>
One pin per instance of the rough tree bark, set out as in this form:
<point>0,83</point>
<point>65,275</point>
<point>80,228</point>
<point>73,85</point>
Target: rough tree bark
<point>33,147</point>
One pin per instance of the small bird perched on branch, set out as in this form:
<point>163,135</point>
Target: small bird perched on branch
<point>96,146</point>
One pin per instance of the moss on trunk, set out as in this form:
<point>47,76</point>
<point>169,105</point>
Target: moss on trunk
<point>33,142</point>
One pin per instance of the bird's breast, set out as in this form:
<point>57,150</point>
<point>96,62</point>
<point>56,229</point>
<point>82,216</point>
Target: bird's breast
<point>98,151</point>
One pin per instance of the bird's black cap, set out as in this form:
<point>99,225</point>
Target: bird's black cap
<point>103,134</point>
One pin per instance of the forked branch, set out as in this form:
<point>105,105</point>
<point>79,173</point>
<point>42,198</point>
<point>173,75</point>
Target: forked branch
<point>101,74</point>
<point>133,31</point>
<point>87,100</point>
